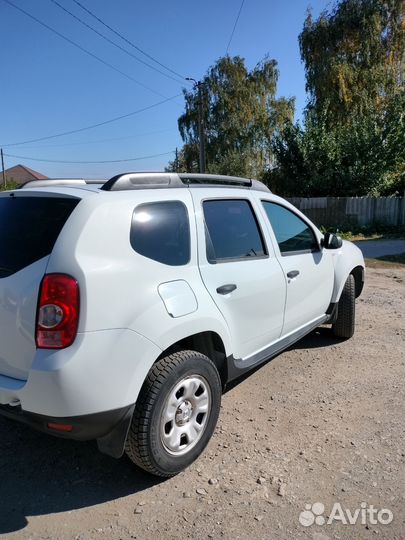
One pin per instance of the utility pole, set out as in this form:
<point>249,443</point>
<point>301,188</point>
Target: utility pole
<point>201,136</point>
<point>2,168</point>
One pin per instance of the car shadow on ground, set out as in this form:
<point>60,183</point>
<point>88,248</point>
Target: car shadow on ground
<point>40,474</point>
<point>318,338</point>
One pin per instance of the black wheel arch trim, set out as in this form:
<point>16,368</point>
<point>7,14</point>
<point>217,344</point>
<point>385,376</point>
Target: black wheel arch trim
<point>358,274</point>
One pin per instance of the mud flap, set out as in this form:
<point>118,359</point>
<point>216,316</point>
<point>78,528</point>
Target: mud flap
<point>113,443</point>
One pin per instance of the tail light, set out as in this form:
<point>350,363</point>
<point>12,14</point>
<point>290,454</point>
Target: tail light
<point>58,312</point>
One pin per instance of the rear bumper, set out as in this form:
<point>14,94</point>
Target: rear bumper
<point>83,428</point>
<point>102,371</point>
<point>110,428</point>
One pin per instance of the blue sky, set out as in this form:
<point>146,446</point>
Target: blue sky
<point>50,86</point>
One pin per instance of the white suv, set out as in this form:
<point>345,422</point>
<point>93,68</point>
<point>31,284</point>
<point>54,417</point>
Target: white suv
<point>127,307</point>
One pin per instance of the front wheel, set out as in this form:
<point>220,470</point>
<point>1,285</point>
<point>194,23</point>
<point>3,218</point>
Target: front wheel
<point>176,413</point>
<point>343,327</point>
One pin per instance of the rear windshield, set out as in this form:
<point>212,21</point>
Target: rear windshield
<point>29,227</point>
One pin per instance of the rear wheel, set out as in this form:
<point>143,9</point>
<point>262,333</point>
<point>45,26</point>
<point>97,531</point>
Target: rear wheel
<point>343,327</point>
<point>176,413</point>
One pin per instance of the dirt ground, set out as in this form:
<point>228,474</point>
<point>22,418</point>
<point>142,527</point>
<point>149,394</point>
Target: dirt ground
<point>321,423</point>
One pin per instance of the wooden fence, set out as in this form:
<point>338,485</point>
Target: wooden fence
<point>352,211</point>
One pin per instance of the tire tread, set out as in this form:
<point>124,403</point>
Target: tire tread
<point>344,325</point>
<point>136,445</point>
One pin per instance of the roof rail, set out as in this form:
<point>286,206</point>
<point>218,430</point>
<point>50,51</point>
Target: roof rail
<point>143,180</point>
<point>59,182</point>
<point>217,179</point>
<point>156,180</point>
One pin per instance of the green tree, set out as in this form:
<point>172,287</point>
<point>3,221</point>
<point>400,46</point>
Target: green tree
<point>11,184</point>
<point>365,157</point>
<point>353,136</point>
<point>241,114</point>
<point>354,58</point>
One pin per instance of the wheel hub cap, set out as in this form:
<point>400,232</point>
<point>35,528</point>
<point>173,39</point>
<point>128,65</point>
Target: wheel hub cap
<point>185,414</point>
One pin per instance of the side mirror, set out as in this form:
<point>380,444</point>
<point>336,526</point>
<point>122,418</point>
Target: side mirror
<point>332,241</point>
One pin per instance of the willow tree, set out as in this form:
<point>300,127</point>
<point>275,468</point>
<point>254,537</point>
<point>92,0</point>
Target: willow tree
<point>354,58</point>
<point>353,136</point>
<point>240,115</point>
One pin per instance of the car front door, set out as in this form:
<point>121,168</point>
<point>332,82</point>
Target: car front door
<point>239,269</point>
<point>307,267</point>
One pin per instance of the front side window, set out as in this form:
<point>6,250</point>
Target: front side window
<point>291,232</point>
<point>160,231</point>
<point>232,231</point>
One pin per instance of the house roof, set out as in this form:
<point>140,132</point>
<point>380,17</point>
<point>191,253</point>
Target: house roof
<point>21,174</point>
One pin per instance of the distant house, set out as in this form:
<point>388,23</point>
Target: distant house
<point>21,174</point>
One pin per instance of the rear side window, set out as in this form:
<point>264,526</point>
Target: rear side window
<point>29,227</point>
<point>161,232</point>
<point>292,233</point>
<point>232,231</point>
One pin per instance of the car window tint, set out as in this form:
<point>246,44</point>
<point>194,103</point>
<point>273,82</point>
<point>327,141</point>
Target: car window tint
<point>292,233</point>
<point>232,230</point>
<point>161,231</point>
<point>29,227</point>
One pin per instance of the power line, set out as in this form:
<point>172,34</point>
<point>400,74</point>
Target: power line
<point>127,40</point>
<point>113,42</point>
<point>136,135</point>
<point>93,125</point>
<point>90,162</point>
<point>81,48</point>
<point>234,27</point>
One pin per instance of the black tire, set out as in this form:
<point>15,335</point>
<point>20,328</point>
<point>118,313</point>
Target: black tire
<point>343,327</point>
<point>144,444</point>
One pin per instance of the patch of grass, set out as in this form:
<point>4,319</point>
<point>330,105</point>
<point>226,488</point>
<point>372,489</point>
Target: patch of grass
<point>399,259</point>
<point>375,232</point>
<point>355,237</point>
<point>387,261</point>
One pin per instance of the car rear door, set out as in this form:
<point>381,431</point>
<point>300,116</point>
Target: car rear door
<point>308,268</point>
<point>239,268</point>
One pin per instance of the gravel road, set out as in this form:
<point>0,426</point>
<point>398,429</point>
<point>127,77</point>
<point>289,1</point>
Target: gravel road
<point>321,423</point>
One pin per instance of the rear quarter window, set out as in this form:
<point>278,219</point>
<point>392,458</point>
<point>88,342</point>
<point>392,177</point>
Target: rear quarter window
<point>160,231</point>
<point>29,227</point>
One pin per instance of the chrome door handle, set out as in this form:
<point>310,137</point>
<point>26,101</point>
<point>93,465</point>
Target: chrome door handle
<point>226,289</point>
<point>293,273</point>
